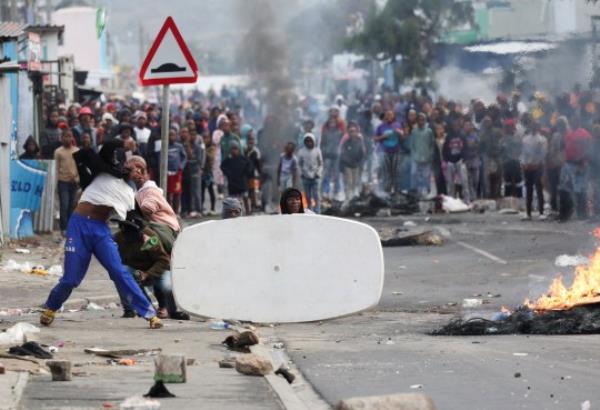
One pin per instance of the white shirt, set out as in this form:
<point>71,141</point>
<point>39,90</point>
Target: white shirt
<point>142,135</point>
<point>107,190</point>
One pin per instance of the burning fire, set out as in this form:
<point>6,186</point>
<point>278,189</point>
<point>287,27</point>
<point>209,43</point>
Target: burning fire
<point>584,290</point>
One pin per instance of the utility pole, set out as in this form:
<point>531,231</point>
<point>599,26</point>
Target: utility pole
<point>48,12</point>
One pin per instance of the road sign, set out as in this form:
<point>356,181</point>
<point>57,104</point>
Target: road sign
<point>169,60</point>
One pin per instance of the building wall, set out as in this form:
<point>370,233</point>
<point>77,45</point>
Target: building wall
<point>80,41</point>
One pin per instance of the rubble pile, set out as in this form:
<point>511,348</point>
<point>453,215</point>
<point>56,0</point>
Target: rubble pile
<point>579,320</point>
<point>368,204</point>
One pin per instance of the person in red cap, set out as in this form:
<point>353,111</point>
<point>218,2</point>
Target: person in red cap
<point>85,126</point>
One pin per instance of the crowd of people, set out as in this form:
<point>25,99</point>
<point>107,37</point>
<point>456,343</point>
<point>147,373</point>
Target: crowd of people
<point>541,147</point>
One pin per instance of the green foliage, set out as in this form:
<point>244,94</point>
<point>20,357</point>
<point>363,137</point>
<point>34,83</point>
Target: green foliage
<point>410,29</point>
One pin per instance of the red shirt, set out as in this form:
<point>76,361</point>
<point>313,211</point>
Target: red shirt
<point>577,143</point>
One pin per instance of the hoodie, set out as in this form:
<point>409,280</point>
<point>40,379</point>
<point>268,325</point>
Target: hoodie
<point>310,161</point>
<point>155,207</point>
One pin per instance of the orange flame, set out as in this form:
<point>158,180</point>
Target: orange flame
<point>584,290</point>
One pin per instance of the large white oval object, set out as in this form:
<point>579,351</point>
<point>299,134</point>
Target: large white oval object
<point>275,269</point>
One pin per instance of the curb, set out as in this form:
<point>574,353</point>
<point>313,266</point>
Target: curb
<point>285,392</point>
<point>19,388</point>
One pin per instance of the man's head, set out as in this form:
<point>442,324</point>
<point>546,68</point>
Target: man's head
<point>353,130</point>
<point>172,136</point>
<point>309,140</point>
<point>66,138</point>
<point>234,149</point>
<point>184,135</point>
<point>85,116</point>
<point>308,125</point>
<point>289,149</point>
<point>251,141</point>
<point>125,131</point>
<point>421,120</point>
<point>389,116</point>
<point>232,208</point>
<point>138,170</point>
<point>86,140</point>
<point>53,118</point>
<point>141,120</point>
<point>224,124</point>
<point>291,202</point>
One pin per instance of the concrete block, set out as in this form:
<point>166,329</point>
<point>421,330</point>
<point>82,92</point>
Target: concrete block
<point>253,365</point>
<point>170,368</point>
<point>403,401</point>
<point>60,369</point>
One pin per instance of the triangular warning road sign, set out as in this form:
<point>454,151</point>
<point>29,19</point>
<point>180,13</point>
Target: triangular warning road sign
<point>169,60</point>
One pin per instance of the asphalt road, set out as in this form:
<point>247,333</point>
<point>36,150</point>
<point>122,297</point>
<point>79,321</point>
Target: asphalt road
<point>389,350</point>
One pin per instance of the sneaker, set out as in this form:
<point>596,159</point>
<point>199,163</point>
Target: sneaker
<point>128,314</point>
<point>180,316</point>
<point>543,217</point>
<point>193,214</point>
<point>47,317</point>
<point>526,218</point>
<point>155,323</point>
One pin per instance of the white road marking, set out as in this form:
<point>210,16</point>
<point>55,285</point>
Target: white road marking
<point>483,253</point>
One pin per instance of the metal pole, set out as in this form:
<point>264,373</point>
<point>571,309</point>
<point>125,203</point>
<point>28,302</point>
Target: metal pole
<point>164,136</point>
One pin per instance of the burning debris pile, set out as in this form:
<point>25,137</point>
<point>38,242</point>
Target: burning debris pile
<point>562,310</point>
<point>580,320</point>
<point>368,204</point>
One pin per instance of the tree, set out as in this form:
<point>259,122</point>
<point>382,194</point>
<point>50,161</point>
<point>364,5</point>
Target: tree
<point>409,29</point>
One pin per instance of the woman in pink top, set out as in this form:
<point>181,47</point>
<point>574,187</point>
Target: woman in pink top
<point>149,196</point>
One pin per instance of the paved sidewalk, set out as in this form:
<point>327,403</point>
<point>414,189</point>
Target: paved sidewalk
<point>96,383</point>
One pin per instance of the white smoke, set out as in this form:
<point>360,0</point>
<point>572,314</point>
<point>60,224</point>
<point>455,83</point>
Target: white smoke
<point>460,85</point>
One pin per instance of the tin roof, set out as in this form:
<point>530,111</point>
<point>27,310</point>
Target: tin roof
<point>45,28</point>
<point>11,29</point>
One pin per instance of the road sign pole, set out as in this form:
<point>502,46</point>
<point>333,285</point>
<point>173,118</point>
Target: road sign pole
<point>164,136</point>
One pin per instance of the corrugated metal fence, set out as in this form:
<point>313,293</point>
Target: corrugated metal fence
<point>43,220</point>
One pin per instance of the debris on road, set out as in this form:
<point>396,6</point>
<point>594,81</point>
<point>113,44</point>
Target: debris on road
<point>402,237</point>
<point>412,401</point>
<point>126,362</point>
<point>215,324</point>
<point>520,354</point>
<point>30,349</point>
<point>563,261</point>
<point>61,370</point>
<point>579,320</point>
<point>416,386</point>
<point>253,365</point>
<point>159,390</point>
<point>18,333</point>
<point>517,375</point>
<point>118,354</point>
<point>484,205</point>
<point>241,341</point>
<point>170,368</point>
<point>586,405</point>
<point>454,205</point>
<point>471,303</point>
<point>227,363</point>
<point>139,403</point>
<point>409,224</point>
<point>278,345</point>
<point>286,374</point>
<point>369,204</point>
<point>22,251</point>
<point>93,306</point>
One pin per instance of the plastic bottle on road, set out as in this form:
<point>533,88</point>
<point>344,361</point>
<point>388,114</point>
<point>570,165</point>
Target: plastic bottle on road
<point>218,324</point>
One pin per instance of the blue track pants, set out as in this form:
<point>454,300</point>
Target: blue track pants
<point>84,237</point>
